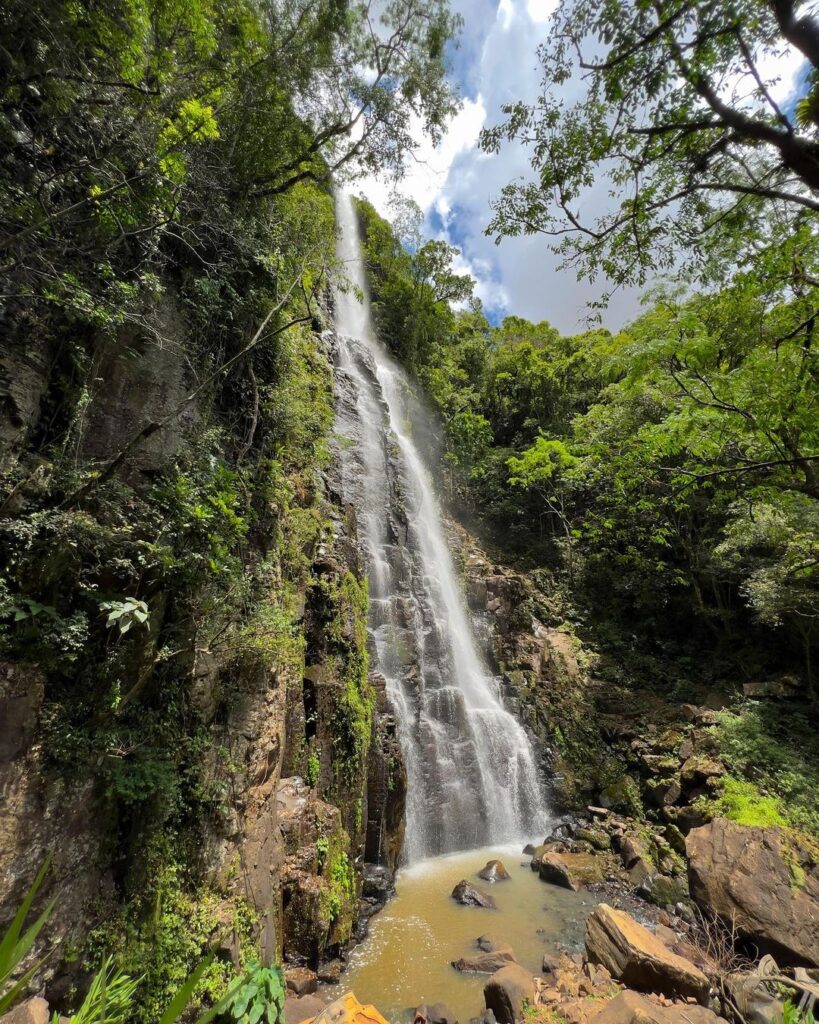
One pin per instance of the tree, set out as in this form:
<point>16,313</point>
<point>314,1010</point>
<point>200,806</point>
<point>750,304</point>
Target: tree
<point>677,110</point>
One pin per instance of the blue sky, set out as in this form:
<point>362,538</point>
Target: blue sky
<point>455,182</point>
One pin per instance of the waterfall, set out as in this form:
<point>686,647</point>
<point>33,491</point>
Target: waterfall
<point>472,778</point>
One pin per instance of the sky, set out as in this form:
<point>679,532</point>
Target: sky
<point>455,182</point>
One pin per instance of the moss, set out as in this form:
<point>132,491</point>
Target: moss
<point>742,802</point>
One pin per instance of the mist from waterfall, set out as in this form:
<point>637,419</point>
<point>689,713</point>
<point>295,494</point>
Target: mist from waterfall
<point>472,777</point>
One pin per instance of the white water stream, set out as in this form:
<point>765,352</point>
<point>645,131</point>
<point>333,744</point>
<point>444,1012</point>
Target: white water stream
<point>472,777</point>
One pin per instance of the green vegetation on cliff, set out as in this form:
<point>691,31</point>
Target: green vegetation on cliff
<point>167,234</point>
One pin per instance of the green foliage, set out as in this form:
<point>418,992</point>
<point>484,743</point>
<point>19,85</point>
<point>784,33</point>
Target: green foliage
<point>775,748</point>
<point>313,769</point>
<point>16,943</point>
<point>260,998</point>
<point>674,107</point>
<point>792,1014</point>
<point>109,999</point>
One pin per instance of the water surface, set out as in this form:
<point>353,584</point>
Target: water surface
<point>405,961</point>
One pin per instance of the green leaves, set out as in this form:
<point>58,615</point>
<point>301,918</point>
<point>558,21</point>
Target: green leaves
<point>126,613</point>
<point>260,997</point>
<point>16,944</point>
<point>676,110</point>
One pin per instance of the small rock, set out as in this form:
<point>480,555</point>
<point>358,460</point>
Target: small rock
<point>508,992</point>
<point>485,963</point>
<point>299,1008</point>
<point>598,812</point>
<point>555,870</point>
<point>493,871</point>
<point>550,963</point>
<point>301,981</point>
<point>488,943</point>
<point>468,896</point>
<point>440,1013</point>
<point>632,1008</point>
<point>528,850</point>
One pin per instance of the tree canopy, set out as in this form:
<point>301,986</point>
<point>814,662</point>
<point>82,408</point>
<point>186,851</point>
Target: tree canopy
<point>677,111</point>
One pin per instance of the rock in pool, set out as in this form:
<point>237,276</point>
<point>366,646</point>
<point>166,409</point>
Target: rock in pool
<point>493,871</point>
<point>469,896</point>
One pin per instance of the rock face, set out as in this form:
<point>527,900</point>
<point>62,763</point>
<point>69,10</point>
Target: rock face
<point>508,992</point>
<point>763,880</point>
<point>486,963</point>
<point>469,896</point>
<point>632,1008</point>
<point>555,870</point>
<point>30,1011</point>
<point>639,959</point>
<point>493,871</point>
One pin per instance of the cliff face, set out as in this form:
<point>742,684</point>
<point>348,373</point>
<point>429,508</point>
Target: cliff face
<point>187,717</point>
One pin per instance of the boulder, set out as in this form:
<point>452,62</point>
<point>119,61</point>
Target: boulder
<point>639,959</point>
<point>30,1011</point>
<point>508,992</point>
<point>469,896</point>
<point>488,943</point>
<point>301,981</point>
<point>435,1013</point>
<point>348,1010</point>
<point>632,1008</point>
<point>493,871</point>
<point>528,850</point>
<point>763,880</point>
<point>555,870</point>
<point>299,1008</point>
<point>485,963</point>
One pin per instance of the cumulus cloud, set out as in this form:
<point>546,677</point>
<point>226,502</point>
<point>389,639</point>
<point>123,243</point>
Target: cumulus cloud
<point>455,182</point>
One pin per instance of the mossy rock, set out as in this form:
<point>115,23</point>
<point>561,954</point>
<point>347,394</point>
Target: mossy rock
<point>663,890</point>
<point>595,837</point>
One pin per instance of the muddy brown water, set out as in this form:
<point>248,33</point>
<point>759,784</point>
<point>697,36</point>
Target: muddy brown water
<point>405,960</point>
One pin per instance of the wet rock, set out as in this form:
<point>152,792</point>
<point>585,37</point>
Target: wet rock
<point>485,963</point>
<point>299,1008</point>
<point>555,870</point>
<point>639,959</point>
<point>493,871</point>
<point>330,973</point>
<point>632,1008</point>
<point>377,882</point>
<point>301,981</point>
<point>528,850</point>
<point>508,992</point>
<point>30,1011</point>
<point>348,1010</point>
<point>468,896</point>
<point>550,963</point>
<point>764,880</point>
<point>488,943</point>
<point>435,1013</point>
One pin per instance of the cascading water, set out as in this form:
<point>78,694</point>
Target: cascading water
<point>471,773</point>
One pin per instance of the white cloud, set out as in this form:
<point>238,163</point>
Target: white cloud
<point>540,10</point>
<point>428,169</point>
<point>455,182</point>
